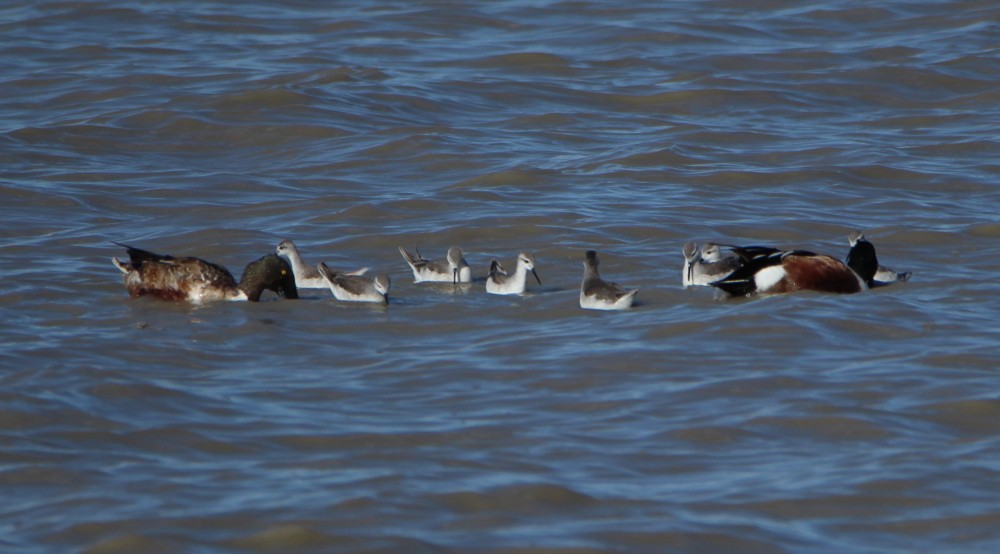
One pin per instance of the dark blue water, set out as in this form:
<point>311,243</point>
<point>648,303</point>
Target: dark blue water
<point>453,421</point>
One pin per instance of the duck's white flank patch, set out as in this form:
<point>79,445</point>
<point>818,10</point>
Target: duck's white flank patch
<point>766,278</point>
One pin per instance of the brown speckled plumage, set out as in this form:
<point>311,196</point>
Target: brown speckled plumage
<point>196,280</point>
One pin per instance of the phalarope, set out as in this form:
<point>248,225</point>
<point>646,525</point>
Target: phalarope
<point>452,269</point>
<point>355,288</point>
<point>598,294</point>
<point>703,267</point>
<point>883,275</point>
<point>306,276</point>
<point>195,280</point>
<point>499,282</point>
<point>711,253</point>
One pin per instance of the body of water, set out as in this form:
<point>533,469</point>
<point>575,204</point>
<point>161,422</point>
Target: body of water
<point>452,420</point>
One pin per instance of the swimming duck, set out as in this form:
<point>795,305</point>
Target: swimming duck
<point>306,276</point>
<point>195,280</point>
<point>767,270</point>
<point>499,282</point>
<point>598,294</point>
<point>883,275</point>
<point>452,269</point>
<point>354,288</point>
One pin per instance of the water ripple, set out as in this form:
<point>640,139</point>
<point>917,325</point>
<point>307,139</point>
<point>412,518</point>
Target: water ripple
<point>453,420</point>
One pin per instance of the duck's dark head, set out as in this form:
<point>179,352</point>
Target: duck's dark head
<point>862,258</point>
<point>268,273</point>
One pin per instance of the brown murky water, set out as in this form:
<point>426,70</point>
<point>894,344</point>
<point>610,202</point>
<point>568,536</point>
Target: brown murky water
<point>453,421</point>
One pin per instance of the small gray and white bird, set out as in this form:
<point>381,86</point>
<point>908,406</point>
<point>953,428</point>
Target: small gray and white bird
<point>306,276</point>
<point>500,282</point>
<point>355,288</point>
<point>598,294</point>
<point>702,267</point>
<point>452,269</point>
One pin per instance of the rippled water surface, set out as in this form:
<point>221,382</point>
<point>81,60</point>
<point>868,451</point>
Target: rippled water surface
<point>453,421</point>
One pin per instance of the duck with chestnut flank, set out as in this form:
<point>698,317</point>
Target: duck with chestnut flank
<point>767,270</point>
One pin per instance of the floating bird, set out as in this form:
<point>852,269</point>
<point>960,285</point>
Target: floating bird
<point>703,267</point>
<point>883,275</point>
<point>711,252</point>
<point>598,294</point>
<point>306,276</point>
<point>355,288</point>
<point>499,282</point>
<point>195,280</point>
<point>452,269</point>
<point>768,270</point>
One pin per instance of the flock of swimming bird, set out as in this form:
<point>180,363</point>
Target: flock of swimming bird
<point>736,270</point>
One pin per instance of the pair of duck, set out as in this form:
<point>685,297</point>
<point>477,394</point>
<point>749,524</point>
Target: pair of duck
<point>748,270</point>
<point>742,272</point>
